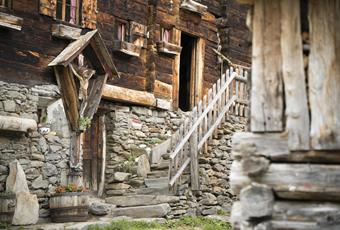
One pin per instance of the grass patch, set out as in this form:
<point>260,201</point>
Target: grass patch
<point>186,223</point>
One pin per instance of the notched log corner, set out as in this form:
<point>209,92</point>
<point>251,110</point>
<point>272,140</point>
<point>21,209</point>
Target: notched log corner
<point>254,166</point>
<point>257,201</point>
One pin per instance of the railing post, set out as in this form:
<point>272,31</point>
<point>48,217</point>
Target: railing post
<point>194,155</point>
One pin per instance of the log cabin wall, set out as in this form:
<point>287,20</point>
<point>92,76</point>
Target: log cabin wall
<point>234,34</point>
<point>135,70</point>
<point>286,169</point>
<point>25,54</point>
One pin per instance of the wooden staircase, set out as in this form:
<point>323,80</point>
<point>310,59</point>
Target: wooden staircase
<point>227,96</point>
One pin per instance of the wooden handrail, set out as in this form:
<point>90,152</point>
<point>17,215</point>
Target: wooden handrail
<point>217,122</point>
<point>200,119</point>
<point>226,96</point>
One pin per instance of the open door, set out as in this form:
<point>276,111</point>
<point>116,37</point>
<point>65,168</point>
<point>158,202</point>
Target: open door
<point>190,71</point>
<point>93,154</point>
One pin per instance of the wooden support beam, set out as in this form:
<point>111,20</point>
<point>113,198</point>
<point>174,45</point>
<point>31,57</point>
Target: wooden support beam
<point>293,181</point>
<point>17,124</point>
<point>69,94</point>
<point>274,146</point>
<point>65,32</point>
<point>267,88</point>
<point>117,93</point>
<point>293,215</point>
<point>297,119</point>
<point>324,74</point>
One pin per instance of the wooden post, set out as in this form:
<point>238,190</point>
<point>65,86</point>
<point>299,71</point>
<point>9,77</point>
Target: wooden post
<point>102,173</point>
<point>294,77</point>
<point>324,73</point>
<point>194,155</point>
<point>266,93</point>
<point>176,67</point>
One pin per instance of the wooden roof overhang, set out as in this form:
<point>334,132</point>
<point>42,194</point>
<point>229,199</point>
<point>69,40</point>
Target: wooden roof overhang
<point>93,48</point>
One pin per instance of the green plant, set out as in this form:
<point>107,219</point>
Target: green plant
<point>186,223</point>
<point>84,123</point>
<point>127,166</point>
<point>222,212</point>
<point>44,119</point>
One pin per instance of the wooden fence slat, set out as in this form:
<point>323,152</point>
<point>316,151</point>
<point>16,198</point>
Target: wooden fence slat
<point>324,73</point>
<point>194,155</point>
<point>266,94</point>
<point>294,77</point>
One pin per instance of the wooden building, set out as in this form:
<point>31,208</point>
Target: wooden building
<point>67,67</point>
<point>286,168</point>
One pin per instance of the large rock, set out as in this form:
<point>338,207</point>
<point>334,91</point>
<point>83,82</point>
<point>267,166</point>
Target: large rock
<point>139,200</point>
<point>143,166</point>
<point>100,209</point>
<point>159,210</point>
<point>16,180</point>
<point>26,210</point>
<point>40,183</point>
<point>121,176</point>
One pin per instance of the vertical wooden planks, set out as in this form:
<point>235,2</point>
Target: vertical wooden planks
<point>266,94</point>
<point>175,67</point>
<point>324,73</point>
<point>297,119</point>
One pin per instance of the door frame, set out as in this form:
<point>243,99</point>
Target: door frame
<point>197,70</point>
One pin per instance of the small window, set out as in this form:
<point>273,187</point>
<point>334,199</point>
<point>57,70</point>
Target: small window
<point>121,28</point>
<point>166,35</point>
<point>69,11</point>
<point>6,3</point>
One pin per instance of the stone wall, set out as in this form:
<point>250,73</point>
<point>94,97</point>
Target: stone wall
<point>215,196</point>
<point>133,131</point>
<point>44,158</point>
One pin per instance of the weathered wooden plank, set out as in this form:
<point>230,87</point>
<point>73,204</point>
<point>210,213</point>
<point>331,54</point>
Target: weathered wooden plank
<point>267,90</point>
<point>95,94</point>
<point>195,186</point>
<point>290,215</point>
<point>69,94</point>
<point>65,32</point>
<point>297,121</point>
<point>116,93</point>
<point>10,21</point>
<point>294,181</point>
<point>274,146</point>
<point>324,73</point>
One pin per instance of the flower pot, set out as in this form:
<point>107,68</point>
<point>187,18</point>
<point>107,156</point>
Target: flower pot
<point>69,207</point>
<point>7,207</point>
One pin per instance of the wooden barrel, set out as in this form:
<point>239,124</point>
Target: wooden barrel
<point>69,207</point>
<point>7,207</point>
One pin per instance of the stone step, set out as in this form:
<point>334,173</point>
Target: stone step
<point>140,200</point>
<point>153,191</point>
<point>161,182</point>
<point>149,211</point>
<point>157,174</point>
<point>161,166</point>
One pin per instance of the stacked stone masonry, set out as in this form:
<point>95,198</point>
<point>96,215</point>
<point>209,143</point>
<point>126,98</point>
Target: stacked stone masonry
<point>132,133</point>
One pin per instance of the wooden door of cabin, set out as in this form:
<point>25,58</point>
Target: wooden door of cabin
<point>93,154</point>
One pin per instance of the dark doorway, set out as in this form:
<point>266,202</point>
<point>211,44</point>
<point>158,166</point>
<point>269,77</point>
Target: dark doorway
<point>93,154</point>
<point>187,64</point>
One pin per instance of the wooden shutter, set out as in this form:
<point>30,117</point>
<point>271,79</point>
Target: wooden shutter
<point>48,7</point>
<point>89,14</point>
